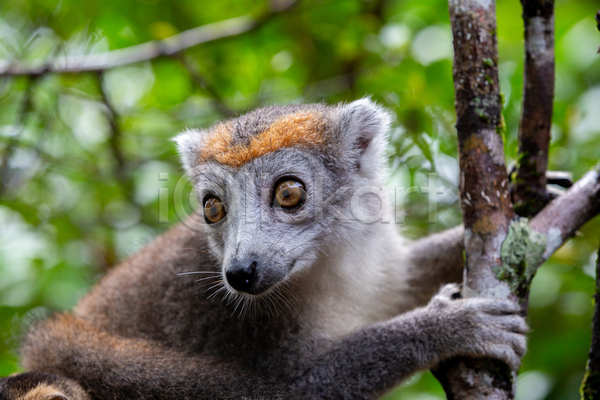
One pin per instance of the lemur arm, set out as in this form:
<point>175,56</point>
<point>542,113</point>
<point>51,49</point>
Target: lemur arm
<point>371,361</point>
<point>363,365</point>
<point>436,260</point>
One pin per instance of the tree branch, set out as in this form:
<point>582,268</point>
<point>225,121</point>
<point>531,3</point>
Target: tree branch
<point>502,251</point>
<point>560,219</point>
<point>205,85</point>
<point>590,387</point>
<point>486,203</point>
<point>598,24</point>
<point>145,51</point>
<point>529,194</point>
<point>114,141</point>
<point>529,245</point>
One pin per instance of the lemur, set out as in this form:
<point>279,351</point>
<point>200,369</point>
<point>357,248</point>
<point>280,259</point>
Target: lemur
<point>281,292</point>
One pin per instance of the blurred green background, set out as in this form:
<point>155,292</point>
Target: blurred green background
<point>80,180</point>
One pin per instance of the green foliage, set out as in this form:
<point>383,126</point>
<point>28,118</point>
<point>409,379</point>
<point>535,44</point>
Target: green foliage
<point>67,213</point>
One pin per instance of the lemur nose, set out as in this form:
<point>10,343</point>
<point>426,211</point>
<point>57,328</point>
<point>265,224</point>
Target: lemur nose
<point>242,278</point>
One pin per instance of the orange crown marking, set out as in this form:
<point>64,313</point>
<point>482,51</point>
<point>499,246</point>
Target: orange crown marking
<point>300,129</point>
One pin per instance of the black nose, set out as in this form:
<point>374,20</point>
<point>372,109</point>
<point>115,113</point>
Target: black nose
<point>242,279</point>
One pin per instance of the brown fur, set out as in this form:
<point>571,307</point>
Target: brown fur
<point>44,392</point>
<point>143,320</point>
<point>146,333</point>
<point>304,128</point>
<point>41,386</point>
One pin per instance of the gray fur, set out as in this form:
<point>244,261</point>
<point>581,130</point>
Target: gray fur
<point>344,310</point>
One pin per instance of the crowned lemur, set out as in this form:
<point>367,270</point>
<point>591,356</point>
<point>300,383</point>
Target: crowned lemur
<point>286,289</point>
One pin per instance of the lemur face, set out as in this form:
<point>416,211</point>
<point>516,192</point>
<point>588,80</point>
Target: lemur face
<point>261,217</point>
<point>276,185</point>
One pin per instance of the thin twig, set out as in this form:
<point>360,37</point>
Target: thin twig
<point>207,86</point>
<point>26,107</point>
<point>20,180</point>
<point>530,194</point>
<point>142,52</point>
<point>114,142</point>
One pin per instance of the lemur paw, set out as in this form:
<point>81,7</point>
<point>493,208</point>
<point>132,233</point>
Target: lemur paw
<point>447,293</point>
<point>478,327</point>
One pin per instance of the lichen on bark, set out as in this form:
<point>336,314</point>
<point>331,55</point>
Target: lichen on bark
<point>522,252</point>
<point>590,387</point>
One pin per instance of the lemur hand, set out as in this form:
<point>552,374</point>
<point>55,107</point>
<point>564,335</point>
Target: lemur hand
<point>478,327</point>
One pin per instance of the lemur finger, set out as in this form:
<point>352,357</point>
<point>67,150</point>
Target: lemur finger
<point>519,344</point>
<point>447,293</point>
<point>493,307</point>
<point>516,341</point>
<point>513,323</point>
<point>507,354</point>
<point>450,290</point>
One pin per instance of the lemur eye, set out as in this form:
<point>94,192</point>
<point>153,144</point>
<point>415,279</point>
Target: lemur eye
<point>214,211</point>
<point>289,194</point>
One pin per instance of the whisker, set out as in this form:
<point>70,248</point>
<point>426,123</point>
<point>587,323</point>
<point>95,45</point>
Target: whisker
<point>214,286</point>
<point>292,237</point>
<point>201,286</point>
<point>286,301</point>
<point>275,244</point>
<point>211,283</point>
<point>303,244</point>
<point>198,272</point>
<point>237,304</point>
<point>358,255</point>
<point>292,294</point>
<point>241,313</point>
<point>203,279</point>
<point>362,232</point>
<point>215,253</point>
<point>231,298</point>
<point>216,291</point>
<point>204,251</point>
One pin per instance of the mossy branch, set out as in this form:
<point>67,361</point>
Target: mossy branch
<point>590,387</point>
<point>529,191</point>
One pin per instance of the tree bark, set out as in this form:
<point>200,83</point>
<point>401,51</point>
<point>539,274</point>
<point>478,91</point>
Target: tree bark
<point>598,25</point>
<point>503,251</point>
<point>529,192</point>
<point>485,199</point>
<point>590,387</point>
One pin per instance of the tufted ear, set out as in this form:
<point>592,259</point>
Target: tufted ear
<point>189,143</point>
<point>364,127</point>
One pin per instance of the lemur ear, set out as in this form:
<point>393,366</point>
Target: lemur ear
<point>364,128</point>
<point>189,143</point>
